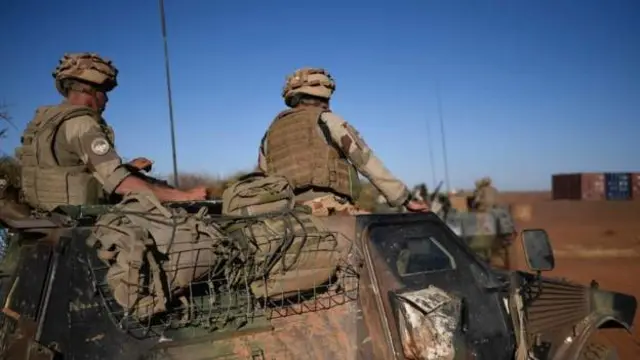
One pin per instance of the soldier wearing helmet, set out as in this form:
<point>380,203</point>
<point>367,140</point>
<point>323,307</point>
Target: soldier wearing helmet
<point>68,155</point>
<point>321,154</point>
<point>485,195</point>
<point>495,227</point>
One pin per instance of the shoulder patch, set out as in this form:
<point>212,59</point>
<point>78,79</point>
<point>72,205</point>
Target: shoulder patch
<point>100,146</point>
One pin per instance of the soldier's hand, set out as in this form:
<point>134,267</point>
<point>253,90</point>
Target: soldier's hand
<point>417,206</point>
<point>142,164</point>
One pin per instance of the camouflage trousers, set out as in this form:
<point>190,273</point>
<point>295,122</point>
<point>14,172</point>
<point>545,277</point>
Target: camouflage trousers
<point>482,245</point>
<point>493,250</point>
<point>332,205</point>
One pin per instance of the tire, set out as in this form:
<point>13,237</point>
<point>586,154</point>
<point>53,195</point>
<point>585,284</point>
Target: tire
<point>597,351</point>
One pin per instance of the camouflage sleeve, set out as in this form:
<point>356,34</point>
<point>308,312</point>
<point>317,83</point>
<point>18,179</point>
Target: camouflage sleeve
<point>88,140</point>
<point>345,137</point>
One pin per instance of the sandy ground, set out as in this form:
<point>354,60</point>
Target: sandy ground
<point>591,240</point>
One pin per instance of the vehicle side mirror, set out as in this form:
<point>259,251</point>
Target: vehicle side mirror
<point>537,250</point>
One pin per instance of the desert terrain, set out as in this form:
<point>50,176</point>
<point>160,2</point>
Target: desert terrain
<point>592,240</point>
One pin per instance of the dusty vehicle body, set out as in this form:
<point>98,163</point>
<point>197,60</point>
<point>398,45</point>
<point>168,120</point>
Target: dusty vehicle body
<point>409,289</point>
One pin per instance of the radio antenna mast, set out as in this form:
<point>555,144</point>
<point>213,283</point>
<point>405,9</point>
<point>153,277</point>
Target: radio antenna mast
<point>168,76</point>
<point>431,158</point>
<point>444,143</point>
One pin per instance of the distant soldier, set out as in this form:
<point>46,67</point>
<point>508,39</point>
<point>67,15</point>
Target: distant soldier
<point>421,192</point>
<point>485,196</point>
<point>494,223</point>
<point>482,242</point>
<point>68,155</point>
<point>321,154</point>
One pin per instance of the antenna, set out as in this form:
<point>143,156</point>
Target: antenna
<point>444,143</point>
<point>430,149</point>
<point>168,75</point>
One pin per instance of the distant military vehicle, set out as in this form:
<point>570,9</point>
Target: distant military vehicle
<point>409,288</point>
<point>497,223</point>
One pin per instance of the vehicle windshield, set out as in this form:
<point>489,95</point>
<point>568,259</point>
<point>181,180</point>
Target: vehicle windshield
<point>412,248</point>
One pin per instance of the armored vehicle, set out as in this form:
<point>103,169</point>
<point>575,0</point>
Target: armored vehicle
<point>490,234</point>
<point>408,288</point>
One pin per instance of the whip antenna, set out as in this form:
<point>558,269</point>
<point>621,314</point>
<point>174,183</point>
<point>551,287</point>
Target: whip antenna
<point>168,76</point>
<point>430,149</point>
<point>444,143</point>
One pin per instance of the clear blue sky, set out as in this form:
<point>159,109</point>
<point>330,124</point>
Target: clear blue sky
<point>529,88</point>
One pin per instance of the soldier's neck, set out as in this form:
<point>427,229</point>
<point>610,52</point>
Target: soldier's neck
<point>306,106</point>
<point>81,99</point>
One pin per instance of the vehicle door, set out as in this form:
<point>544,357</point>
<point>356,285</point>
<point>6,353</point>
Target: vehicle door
<point>408,254</point>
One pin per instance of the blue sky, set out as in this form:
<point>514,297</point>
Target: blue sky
<point>529,88</point>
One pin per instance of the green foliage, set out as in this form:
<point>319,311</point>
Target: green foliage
<point>10,172</point>
<point>9,190</point>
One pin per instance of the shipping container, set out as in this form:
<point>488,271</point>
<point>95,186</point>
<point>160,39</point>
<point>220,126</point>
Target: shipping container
<point>580,186</point>
<point>617,186</point>
<point>459,202</point>
<point>635,186</point>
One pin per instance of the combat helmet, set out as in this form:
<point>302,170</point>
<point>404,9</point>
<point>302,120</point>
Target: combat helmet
<point>311,81</point>
<point>87,68</point>
<point>483,182</point>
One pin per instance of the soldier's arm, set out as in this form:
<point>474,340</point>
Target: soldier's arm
<point>262,158</point>
<point>347,139</point>
<point>86,138</point>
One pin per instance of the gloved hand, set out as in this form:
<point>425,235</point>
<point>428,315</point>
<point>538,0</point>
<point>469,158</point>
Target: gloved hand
<point>417,206</point>
<point>142,164</point>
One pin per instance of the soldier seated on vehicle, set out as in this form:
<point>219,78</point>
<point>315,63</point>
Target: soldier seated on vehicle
<point>321,154</point>
<point>68,155</point>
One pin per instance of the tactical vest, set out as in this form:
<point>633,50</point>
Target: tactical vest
<point>486,198</point>
<point>50,179</point>
<point>297,150</point>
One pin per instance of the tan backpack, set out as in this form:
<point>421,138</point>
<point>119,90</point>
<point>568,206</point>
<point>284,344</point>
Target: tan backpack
<point>257,193</point>
<point>291,250</point>
<point>153,251</point>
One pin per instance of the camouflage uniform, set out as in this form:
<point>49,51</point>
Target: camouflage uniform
<point>420,193</point>
<point>482,242</point>
<point>490,243</point>
<point>485,196</point>
<point>67,153</point>
<point>320,153</point>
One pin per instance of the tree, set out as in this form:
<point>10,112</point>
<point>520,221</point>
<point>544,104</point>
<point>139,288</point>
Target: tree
<point>4,162</point>
<point>5,117</point>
